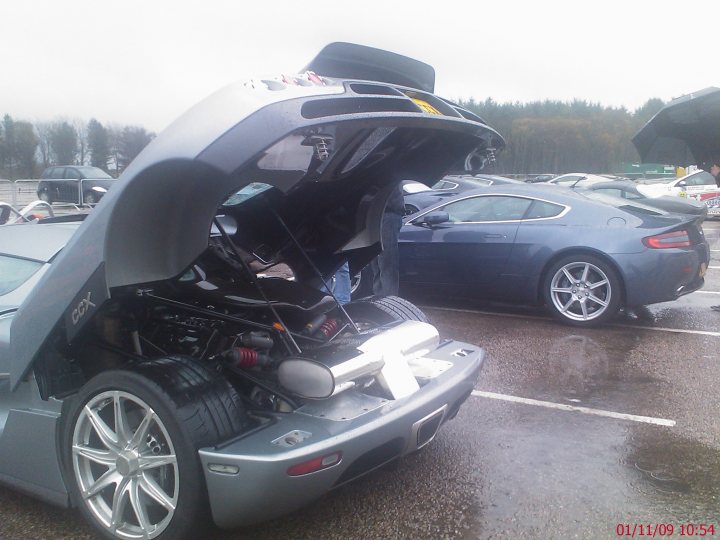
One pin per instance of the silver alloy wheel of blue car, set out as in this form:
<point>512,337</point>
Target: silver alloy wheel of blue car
<point>581,291</point>
<point>125,465</point>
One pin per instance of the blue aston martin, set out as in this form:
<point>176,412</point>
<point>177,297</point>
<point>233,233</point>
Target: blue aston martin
<point>583,255</point>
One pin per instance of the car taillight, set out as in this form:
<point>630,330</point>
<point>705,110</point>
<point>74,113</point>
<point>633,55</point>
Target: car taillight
<point>673,239</point>
<point>316,464</point>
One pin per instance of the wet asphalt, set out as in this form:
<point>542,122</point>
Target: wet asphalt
<point>503,469</point>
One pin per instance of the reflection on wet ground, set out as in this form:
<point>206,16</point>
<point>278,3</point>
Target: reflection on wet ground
<point>677,476</point>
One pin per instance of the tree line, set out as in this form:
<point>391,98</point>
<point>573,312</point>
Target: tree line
<point>541,136</point>
<point>26,149</point>
<point>561,137</point>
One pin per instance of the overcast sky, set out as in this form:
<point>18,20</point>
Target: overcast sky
<point>144,62</point>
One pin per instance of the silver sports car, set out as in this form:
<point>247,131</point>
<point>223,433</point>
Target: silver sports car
<point>175,348</point>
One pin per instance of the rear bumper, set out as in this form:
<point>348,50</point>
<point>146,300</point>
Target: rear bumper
<point>368,433</point>
<point>664,275</point>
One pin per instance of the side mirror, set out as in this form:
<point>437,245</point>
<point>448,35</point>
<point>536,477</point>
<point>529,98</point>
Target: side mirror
<point>682,183</point>
<point>434,218</point>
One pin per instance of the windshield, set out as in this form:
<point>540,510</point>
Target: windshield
<point>14,272</point>
<point>93,172</point>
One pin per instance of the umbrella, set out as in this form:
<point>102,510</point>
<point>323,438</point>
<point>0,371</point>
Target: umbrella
<point>685,131</point>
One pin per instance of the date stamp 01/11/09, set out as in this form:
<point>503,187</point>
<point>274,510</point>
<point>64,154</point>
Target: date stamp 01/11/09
<point>653,530</point>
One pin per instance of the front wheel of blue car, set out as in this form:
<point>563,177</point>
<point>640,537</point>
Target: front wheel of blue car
<point>130,447</point>
<point>582,290</point>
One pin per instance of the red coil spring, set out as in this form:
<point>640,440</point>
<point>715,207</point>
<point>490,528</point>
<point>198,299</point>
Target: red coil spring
<point>245,357</point>
<point>329,328</point>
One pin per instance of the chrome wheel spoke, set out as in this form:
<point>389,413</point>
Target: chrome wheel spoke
<point>585,272</point>
<point>107,436</point>
<point>103,457</point>
<point>152,461</point>
<point>595,299</point>
<point>567,306</point>
<point>157,493</point>
<point>142,430</point>
<point>583,306</point>
<point>598,284</point>
<point>565,290</point>
<point>138,506</point>
<point>119,503</point>
<point>568,275</point>
<point>121,421</point>
<point>111,476</point>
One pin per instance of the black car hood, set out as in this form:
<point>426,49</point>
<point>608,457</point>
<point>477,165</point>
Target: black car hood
<point>332,153</point>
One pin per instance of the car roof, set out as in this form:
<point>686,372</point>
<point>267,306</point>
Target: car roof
<point>39,242</point>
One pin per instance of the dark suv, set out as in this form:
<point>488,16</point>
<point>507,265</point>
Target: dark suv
<point>65,183</point>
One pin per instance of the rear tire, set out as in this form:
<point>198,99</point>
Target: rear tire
<point>382,310</point>
<point>45,196</point>
<point>130,441</point>
<point>90,198</point>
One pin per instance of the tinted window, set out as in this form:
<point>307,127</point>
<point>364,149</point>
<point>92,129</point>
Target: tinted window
<point>14,272</point>
<point>543,209</point>
<point>489,208</point>
<point>611,191</point>
<point>57,172</point>
<point>72,173</point>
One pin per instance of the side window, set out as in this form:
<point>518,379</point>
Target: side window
<point>700,179</point>
<point>72,173</point>
<point>487,208</point>
<point>57,172</point>
<point>543,209</point>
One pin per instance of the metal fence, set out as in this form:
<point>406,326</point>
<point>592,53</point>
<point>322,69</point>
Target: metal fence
<point>18,192</point>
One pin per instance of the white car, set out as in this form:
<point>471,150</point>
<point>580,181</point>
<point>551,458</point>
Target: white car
<point>690,185</point>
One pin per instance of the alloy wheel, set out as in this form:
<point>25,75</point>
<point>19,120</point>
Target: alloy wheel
<point>125,465</point>
<point>581,291</point>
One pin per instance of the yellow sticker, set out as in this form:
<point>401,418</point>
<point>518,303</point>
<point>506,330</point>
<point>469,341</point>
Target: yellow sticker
<point>703,269</point>
<point>425,106</point>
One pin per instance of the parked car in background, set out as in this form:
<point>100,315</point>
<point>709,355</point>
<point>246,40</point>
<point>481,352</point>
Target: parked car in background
<point>411,186</point>
<point>450,186</point>
<point>67,183</point>
<point>711,200</point>
<point>690,185</point>
<point>570,179</point>
<point>628,190</point>
<point>541,178</point>
<point>583,255</point>
<point>471,181</point>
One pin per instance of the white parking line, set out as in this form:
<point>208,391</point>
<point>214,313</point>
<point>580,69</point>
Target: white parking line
<point>617,325</point>
<point>707,292</point>
<point>575,408</point>
<point>662,329</point>
<point>713,267</point>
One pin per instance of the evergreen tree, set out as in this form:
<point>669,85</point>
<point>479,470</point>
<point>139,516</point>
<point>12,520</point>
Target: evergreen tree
<point>98,144</point>
<point>63,142</point>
